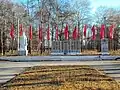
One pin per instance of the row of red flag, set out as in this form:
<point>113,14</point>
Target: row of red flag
<point>12,32</point>
<point>75,33</point>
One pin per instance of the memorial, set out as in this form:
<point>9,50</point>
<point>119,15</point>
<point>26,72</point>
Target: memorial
<point>23,46</point>
<point>66,47</point>
<point>104,47</point>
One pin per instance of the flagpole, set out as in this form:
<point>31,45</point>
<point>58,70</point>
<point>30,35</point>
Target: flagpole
<point>12,45</point>
<point>49,31</point>
<point>13,27</point>
<point>29,46</point>
<point>105,27</point>
<point>29,42</point>
<point>4,38</point>
<point>38,39</point>
<point>41,27</point>
<point>79,37</point>
<point>41,43</point>
<point>18,35</point>
<point>94,43</point>
<point>1,42</point>
<point>48,37</point>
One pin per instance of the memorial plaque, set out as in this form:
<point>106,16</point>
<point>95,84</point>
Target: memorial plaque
<point>66,47</point>
<point>104,46</point>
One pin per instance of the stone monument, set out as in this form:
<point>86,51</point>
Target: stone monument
<point>66,47</point>
<point>104,47</point>
<point>23,45</point>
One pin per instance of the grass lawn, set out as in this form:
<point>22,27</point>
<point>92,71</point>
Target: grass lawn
<point>70,77</point>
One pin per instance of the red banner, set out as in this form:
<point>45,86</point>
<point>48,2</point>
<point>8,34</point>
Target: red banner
<point>85,30</point>
<point>48,33</point>
<point>111,30</point>
<point>102,31</point>
<point>12,31</point>
<point>66,33</point>
<point>74,34</point>
<point>21,31</point>
<point>93,33</point>
<point>40,33</point>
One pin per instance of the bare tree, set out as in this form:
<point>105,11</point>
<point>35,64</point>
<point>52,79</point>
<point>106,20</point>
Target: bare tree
<point>9,14</point>
<point>112,16</point>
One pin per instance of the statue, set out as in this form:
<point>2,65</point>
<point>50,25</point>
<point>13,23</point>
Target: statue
<point>23,45</point>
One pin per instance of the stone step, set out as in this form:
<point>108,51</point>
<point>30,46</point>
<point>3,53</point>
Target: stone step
<point>4,79</point>
<point>112,72</point>
<point>114,75</point>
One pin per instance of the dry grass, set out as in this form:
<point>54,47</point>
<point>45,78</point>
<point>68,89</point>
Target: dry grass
<point>90,52</point>
<point>37,53</point>
<point>46,53</point>
<point>61,78</point>
<point>115,52</point>
<point>95,52</point>
<point>34,53</point>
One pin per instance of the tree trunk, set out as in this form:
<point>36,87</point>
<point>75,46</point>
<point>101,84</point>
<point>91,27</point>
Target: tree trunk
<point>4,41</point>
<point>52,33</point>
<point>29,46</point>
<point>0,42</point>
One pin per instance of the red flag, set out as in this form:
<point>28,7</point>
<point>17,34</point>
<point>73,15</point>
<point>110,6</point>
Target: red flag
<point>102,31</point>
<point>66,34</point>
<point>12,31</point>
<point>93,33</point>
<point>74,34</point>
<point>48,33</point>
<point>56,35</point>
<point>21,31</point>
<point>30,32</point>
<point>111,30</point>
<point>40,33</point>
<point>85,30</point>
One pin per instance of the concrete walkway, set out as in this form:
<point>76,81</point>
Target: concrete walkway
<point>57,58</point>
<point>9,70</point>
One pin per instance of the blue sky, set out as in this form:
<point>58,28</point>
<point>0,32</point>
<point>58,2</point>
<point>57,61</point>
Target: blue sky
<point>113,3</point>
<point>108,3</point>
<point>96,3</point>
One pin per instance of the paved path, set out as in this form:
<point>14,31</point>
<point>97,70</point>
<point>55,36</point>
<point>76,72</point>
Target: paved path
<point>9,70</point>
<point>57,58</point>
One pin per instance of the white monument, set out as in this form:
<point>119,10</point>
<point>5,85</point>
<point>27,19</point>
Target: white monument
<point>104,47</point>
<point>23,45</point>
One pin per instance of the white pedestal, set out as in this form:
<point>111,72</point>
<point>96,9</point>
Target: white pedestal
<point>104,47</point>
<point>23,52</point>
<point>104,53</point>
